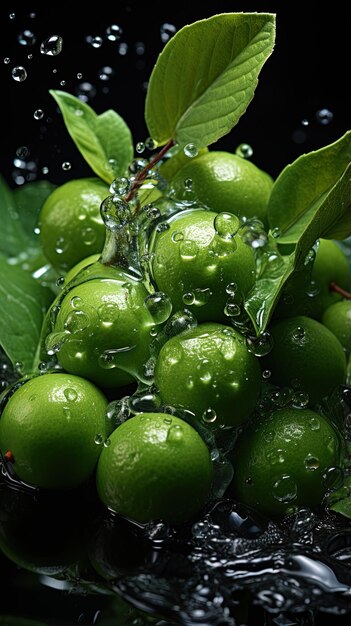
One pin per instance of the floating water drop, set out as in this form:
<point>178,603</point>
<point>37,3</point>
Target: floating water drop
<point>140,48</point>
<point>19,74</point>
<point>85,91</point>
<point>324,116</point>
<point>209,416</point>
<point>304,122</point>
<point>62,83</point>
<point>190,150</point>
<point>45,170</point>
<point>106,72</point>
<point>266,374</point>
<point>23,152</point>
<point>96,41</point>
<point>113,32</point>
<point>66,166</point>
<point>12,16</point>
<point>7,60</point>
<point>244,150</point>
<point>38,114</point>
<point>52,46</point>
<point>123,49</point>
<point>140,147</point>
<point>150,144</point>
<point>167,31</point>
<point>175,434</point>
<point>231,289</point>
<point>26,38</point>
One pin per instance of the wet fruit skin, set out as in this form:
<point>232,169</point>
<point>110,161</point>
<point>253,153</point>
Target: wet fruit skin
<point>71,227</point>
<point>50,425</point>
<point>197,268</point>
<point>283,461</point>
<point>337,318</point>
<point>156,467</point>
<point>209,371</point>
<point>105,327</point>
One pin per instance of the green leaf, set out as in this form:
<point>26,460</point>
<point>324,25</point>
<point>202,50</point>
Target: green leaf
<point>29,199</point>
<point>176,160</point>
<point>13,237</point>
<point>23,303</point>
<point>206,76</point>
<point>105,140</point>
<point>301,188</point>
<point>340,500</point>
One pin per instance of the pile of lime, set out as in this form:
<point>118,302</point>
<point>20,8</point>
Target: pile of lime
<point>198,342</point>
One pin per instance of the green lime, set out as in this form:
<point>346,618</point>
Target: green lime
<point>203,265</point>
<point>103,330</point>
<point>209,371</point>
<point>51,427</point>
<point>309,293</point>
<point>337,318</point>
<point>226,182</point>
<point>307,356</point>
<point>72,273</point>
<point>71,227</point>
<point>156,467</point>
<point>288,459</point>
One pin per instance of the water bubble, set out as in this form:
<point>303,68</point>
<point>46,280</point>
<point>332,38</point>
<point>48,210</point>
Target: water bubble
<point>167,31</point>
<point>120,186</point>
<point>19,74</point>
<point>313,289</point>
<point>202,296</point>
<point>76,322</point>
<point>140,147</point>
<point>23,152</point>
<point>232,309</point>
<point>188,249</point>
<point>114,32</point>
<point>26,38</point>
<point>276,456</point>
<point>244,150</point>
<point>266,374</point>
<point>66,166</point>
<point>324,116</point>
<point>261,345</point>
<point>115,213</point>
<point>285,489</point>
<point>190,150</point>
<point>299,336</point>
<point>52,46</point>
<point>150,144</point>
<point>276,232</point>
<point>7,60</point>
<point>38,114</point>
<point>304,122</point>
<point>300,399</point>
<point>188,298</point>
<point>333,478</point>
<point>137,165</point>
<point>70,394</point>
<point>311,462</point>
<point>85,91</point>
<point>123,49</point>
<point>231,289</point>
<point>96,41</point>
<point>159,306</point>
<point>62,83</point>
<point>12,16</point>
<point>226,225</point>
<point>106,72</point>
<point>99,439</point>
<point>175,434</point>
<point>209,416</point>
<point>107,443</point>
<point>79,75</point>
<point>177,236</point>
<point>255,237</point>
<point>45,170</point>
<point>29,56</point>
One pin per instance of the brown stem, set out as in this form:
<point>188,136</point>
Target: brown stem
<point>345,294</point>
<point>9,456</point>
<point>142,174</point>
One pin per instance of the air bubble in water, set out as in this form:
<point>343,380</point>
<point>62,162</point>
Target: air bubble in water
<point>159,306</point>
<point>19,74</point>
<point>244,150</point>
<point>167,31</point>
<point>226,225</point>
<point>114,32</point>
<point>324,116</point>
<point>26,38</point>
<point>52,46</point>
<point>66,166</point>
<point>190,150</point>
<point>38,114</point>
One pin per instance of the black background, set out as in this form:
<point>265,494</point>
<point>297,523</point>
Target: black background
<point>307,72</point>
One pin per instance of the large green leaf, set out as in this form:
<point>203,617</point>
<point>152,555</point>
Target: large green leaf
<point>29,199</point>
<point>206,76</point>
<point>105,140</point>
<point>300,190</point>
<point>23,302</point>
<point>13,237</point>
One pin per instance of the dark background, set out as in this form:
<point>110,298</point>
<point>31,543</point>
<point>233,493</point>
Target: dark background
<point>307,72</point>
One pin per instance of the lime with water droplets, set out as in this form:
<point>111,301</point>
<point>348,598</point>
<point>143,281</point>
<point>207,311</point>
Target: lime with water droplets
<point>337,318</point>
<point>156,467</point>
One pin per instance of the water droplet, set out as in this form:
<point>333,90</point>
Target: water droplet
<point>62,83</point>
<point>106,73</point>
<point>226,225</point>
<point>231,289</point>
<point>95,42</point>
<point>312,289</point>
<point>299,336</point>
<point>304,122</point>
<point>190,150</point>
<point>23,152</point>
<point>7,60</point>
<point>76,321</point>
<point>209,416</point>
<point>244,150</point>
<point>276,456</point>
<point>300,399</point>
<point>275,232</point>
<point>167,31</point>
<point>99,439</point>
<point>19,74</point>
<point>52,46</point>
<point>150,144</point>
<point>159,306</point>
<point>26,38</point>
<point>177,236</point>
<point>333,478</point>
<point>261,345</point>
<point>38,114</point>
<point>324,116</point>
<point>204,371</point>
<point>114,32</point>
<point>107,443</point>
<point>61,245</point>
<point>175,434</point>
<point>85,91</point>
<point>140,147</point>
<point>88,236</point>
<point>108,313</point>
<point>311,462</point>
<point>314,423</point>
<point>123,49</point>
<point>285,489</point>
<point>266,374</point>
<point>188,249</point>
<point>188,298</point>
<point>188,184</point>
<point>70,394</point>
<point>120,186</point>
<point>45,170</point>
<point>202,296</point>
<point>232,309</point>
<point>12,16</point>
<point>66,166</point>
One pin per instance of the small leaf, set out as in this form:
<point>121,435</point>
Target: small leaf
<point>300,190</point>
<point>340,500</point>
<point>105,140</point>
<point>206,76</point>
<point>23,302</point>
